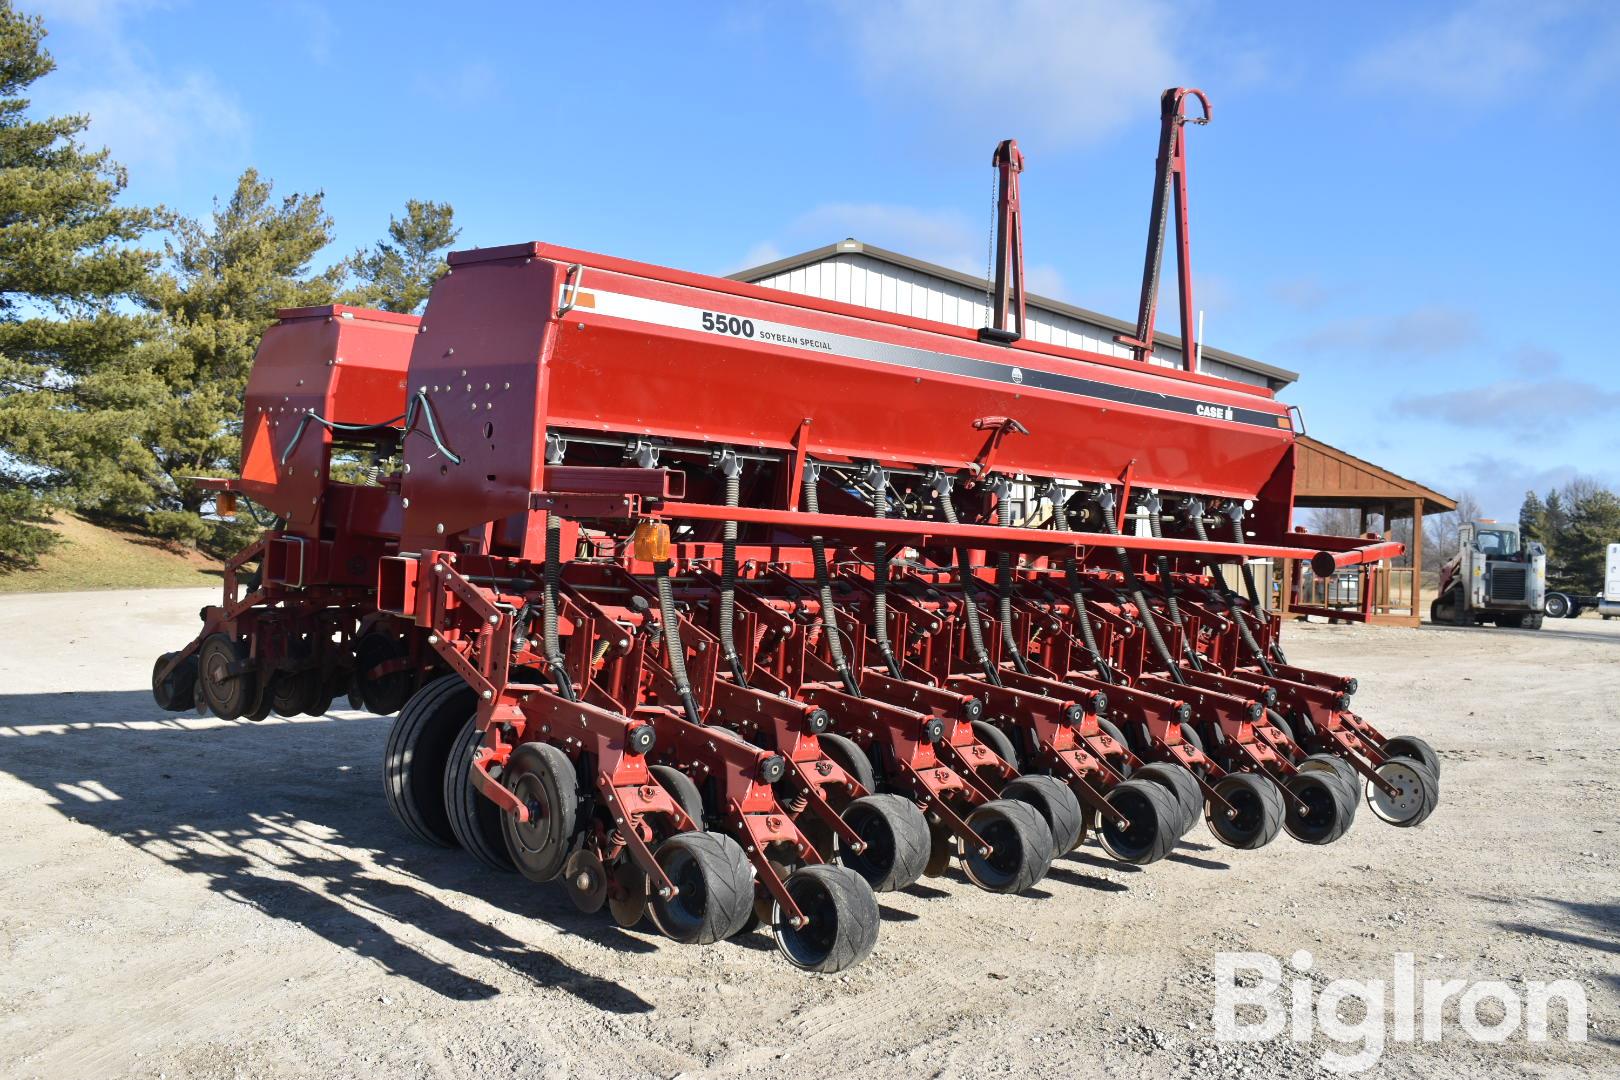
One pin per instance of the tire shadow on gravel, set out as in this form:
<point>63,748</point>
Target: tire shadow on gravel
<point>273,815</point>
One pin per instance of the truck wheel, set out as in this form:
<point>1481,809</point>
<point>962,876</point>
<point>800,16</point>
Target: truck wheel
<point>417,753</point>
<point>1532,622</point>
<point>1574,611</point>
<point>1557,605</point>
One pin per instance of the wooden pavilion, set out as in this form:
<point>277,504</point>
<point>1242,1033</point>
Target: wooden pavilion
<point>1329,478</point>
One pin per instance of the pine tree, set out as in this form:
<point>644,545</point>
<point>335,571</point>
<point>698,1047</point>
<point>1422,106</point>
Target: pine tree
<point>398,273</point>
<point>224,283</point>
<point>73,285</point>
<point>1555,524</point>
<point>1532,519</point>
<point>1594,524</point>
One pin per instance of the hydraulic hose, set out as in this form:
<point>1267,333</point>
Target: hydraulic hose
<point>1248,584</point>
<point>829,612</point>
<point>552,576</point>
<point>1155,526</point>
<point>880,583</point>
<point>970,606</point>
<point>1004,594</point>
<point>728,576</point>
<point>672,639</point>
<point>1149,621</point>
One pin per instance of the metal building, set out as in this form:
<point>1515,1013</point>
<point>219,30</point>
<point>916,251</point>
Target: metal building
<point>856,273</point>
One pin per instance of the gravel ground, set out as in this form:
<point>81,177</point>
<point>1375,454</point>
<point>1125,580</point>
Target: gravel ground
<point>185,897</point>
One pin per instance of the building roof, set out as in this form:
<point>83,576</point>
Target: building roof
<point>1325,476</point>
<point>852,247</point>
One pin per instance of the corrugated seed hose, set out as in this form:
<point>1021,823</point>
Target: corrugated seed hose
<point>829,612</point>
<point>1135,585</point>
<point>1157,529</point>
<point>552,576</point>
<point>970,606</point>
<point>1225,594</point>
<point>1071,570</point>
<point>728,578</point>
<point>880,582</point>
<point>1254,593</point>
<point>1004,594</point>
<point>672,639</point>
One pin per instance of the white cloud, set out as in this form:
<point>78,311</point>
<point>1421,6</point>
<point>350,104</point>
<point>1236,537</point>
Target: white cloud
<point>1075,70</point>
<point>1044,279</point>
<point>1490,49</point>
<point>150,116</point>
<point>940,236</point>
<point>760,254</point>
<point>1428,330</point>
<point>1508,405</point>
<point>160,123</point>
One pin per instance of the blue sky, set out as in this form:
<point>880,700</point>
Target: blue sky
<point>1413,206</point>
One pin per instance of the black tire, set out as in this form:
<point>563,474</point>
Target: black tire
<point>1410,746</point>
<point>474,820</point>
<point>1532,622</point>
<point>1329,807</point>
<point>227,697</point>
<point>1153,818</point>
<point>997,740</point>
<point>897,841</point>
<point>1055,801</point>
<point>383,694</point>
<point>542,777</point>
<point>1020,842</point>
<point>1278,721</point>
<point>1434,611</point>
<point>850,758</point>
<point>417,753</point>
<point>843,919</point>
<point>1111,729</point>
<point>1182,786</point>
<point>1333,763</point>
<point>1259,806</point>
<point>1418,797</point>
<point>1190,736</point>
<point>296,693</point>
<point>1556,605</point>
<point>681,789</point>
<point>178,692</point>
<point>715,888</point>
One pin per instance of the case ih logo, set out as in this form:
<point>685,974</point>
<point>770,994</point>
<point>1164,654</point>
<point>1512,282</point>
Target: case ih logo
<point>1215,412</point>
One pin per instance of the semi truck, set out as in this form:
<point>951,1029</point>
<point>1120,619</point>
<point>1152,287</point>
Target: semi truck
<point>1494,577</point>
<point>1566,604</point>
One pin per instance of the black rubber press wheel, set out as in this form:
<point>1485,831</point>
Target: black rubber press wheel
<point>1329,807</point>
<point>1055,801</point>
<point>1259,806</point>
<point>897,841</point>
<point>1020,847</point>
<point>842,919</point>
<point>1152,819</point>
<point>1179,783</point>
<point>542,778</point>
<point>177,692</point>
<point>474,820</point>
<point>714,888</point>
<point>229,694</point>
<point>1417,794</point>
<point>1410,746</point>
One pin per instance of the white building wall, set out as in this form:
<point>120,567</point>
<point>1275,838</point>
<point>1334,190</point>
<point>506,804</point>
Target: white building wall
<point>857,278</point>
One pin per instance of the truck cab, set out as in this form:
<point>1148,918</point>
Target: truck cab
<point>1494,577</point>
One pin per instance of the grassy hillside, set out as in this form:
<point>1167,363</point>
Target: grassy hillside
<point>93,557</point>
